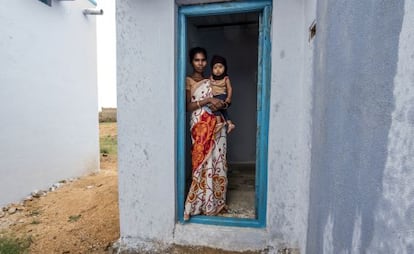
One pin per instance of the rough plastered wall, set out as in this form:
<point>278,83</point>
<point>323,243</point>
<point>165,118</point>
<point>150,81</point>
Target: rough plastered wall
<point>290,123</point>
<point>363,143</point>
<point>48,98</point>
<point>146,33</point>
<point>145,87</point>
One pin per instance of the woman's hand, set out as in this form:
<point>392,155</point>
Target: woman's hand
<point>216,104</point>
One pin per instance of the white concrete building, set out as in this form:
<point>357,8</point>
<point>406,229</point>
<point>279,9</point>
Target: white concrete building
<point>48,98</point>
<point>339,166</point>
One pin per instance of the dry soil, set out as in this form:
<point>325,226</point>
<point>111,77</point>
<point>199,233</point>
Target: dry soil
<point>81,216</point>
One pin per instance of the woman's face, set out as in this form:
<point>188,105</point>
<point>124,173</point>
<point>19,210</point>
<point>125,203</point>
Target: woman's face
<point>199,62</point>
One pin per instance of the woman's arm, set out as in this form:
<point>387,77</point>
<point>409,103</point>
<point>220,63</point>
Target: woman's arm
<point>214,103</point>
<point>191,106</point>
<point>229,90</point>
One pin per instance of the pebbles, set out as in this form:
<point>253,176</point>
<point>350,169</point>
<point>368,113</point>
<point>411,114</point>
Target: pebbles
<point>38,193</point>
<point>11,209</point>
<point>14,208</point>
<point>28,198</point>
<point>8,212</point>
<point>55,186</point>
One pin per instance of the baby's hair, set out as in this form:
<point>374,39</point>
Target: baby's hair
<point>219,59</point>
<point>195,51</point>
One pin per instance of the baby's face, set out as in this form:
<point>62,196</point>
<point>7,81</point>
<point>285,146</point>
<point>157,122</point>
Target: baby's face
<point>218,69</point>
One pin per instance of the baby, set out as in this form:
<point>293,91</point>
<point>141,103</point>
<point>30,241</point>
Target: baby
<point>221,87</point>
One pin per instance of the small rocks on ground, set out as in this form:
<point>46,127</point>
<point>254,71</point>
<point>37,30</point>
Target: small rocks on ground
<point>28,198</point>
<point>38,193</point>
<point>57,185</point>
<point>12,210</point>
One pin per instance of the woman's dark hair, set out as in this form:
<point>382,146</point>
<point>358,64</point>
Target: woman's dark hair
<point>195,51</point>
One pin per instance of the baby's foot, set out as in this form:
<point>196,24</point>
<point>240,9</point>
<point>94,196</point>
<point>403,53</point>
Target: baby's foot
<point>230,126</point>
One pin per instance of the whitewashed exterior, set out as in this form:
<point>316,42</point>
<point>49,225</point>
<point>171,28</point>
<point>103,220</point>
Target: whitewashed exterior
<point>341,133</point>
<point>48,98</point>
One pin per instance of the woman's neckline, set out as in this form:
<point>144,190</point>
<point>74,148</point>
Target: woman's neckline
<point>198,79</point>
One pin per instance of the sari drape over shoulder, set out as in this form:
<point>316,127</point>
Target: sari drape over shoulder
<point>207,194</point>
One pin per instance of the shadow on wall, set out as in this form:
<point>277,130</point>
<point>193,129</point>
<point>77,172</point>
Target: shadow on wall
<point>355,64</point>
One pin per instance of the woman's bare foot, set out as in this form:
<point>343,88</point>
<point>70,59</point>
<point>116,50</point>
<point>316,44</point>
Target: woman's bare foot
<point>186,217</point>
<point>225,209</point>
<point>230,126</point>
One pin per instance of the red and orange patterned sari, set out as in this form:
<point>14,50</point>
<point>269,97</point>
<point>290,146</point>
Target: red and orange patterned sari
<point>207,194</point>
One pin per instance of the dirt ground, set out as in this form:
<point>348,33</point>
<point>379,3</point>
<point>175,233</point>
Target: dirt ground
<point>81,216</point>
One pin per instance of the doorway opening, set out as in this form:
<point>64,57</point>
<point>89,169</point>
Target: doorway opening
<point>240,33</point>
<point>235,37</point>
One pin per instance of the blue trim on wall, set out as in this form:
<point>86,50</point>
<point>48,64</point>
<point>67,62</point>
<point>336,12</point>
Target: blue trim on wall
<point>181,115</point>
<point>226,221</point>
<point>224,8</point>
<point>263,104</point>
<point>48,2</point>
<point>93,2</point>
<point>264,9</point>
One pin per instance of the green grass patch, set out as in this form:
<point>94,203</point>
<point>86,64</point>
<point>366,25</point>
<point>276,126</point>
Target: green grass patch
<point>35,213</point>
<point>12,245</point>
<point>108,145</point>
<point>107,116</point>
<point>74,218</point>
<point>35,222</point>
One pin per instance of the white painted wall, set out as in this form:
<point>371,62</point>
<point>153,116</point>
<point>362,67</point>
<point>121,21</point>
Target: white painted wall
<point>146,120</point>
<point>48,98</point>
<point>341,131</point>
<point>290,123</point>
<point>394,214</point>
<point>146,126</point>
<point>362,192</point>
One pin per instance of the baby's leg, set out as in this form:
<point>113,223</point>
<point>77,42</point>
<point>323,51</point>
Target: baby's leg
<point>230,126</point>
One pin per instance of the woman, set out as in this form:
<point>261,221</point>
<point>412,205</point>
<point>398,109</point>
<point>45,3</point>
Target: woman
<point>207,194</point>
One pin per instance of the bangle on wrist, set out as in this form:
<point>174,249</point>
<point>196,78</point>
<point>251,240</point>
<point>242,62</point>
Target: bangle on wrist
<point>198,104</point>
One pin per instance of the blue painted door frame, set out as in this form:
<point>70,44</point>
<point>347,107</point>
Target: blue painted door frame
<point>263,7</point>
